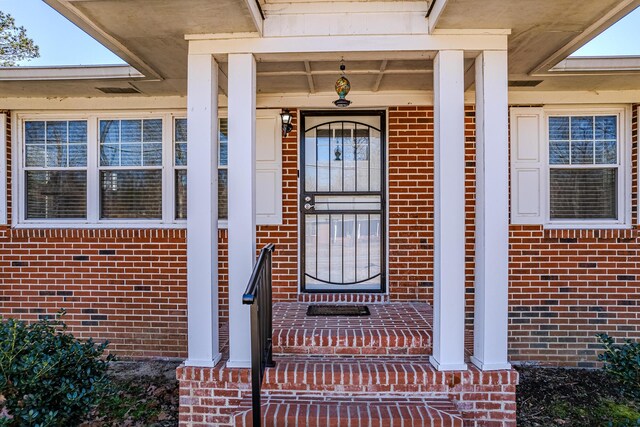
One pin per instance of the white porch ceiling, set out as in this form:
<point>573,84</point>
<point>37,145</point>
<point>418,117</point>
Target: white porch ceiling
<point>149,34</point>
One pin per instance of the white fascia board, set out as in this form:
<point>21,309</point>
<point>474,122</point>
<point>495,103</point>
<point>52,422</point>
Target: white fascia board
<point>70,73</point>
<point>596,65</point>
<point>343,44</point>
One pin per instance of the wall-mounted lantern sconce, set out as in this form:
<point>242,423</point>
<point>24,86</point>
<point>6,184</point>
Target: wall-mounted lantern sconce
<point>286,117</point>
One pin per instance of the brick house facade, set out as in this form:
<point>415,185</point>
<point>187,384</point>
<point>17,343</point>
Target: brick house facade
<point>129,286</point>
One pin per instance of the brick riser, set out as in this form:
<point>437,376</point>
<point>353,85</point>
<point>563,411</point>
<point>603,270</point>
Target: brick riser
<point>318,411</point>
<point>357,342</point>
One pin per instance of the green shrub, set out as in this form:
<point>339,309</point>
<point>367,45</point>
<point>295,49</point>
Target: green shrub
<point>47,376</point>
<point>623,362</point>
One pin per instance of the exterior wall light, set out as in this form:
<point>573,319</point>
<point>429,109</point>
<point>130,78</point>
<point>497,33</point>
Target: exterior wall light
<point>286,117</point>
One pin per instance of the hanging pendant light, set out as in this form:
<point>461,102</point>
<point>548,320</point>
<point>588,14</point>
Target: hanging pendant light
<point>343,86</point>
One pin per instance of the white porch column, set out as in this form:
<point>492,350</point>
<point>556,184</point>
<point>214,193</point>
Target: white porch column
<point>202,208</point>
<point>241,196</point>
<point>449,240</point>
<point>492,212</point>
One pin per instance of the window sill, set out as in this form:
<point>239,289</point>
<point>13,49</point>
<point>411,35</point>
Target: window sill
<point>222,224</point>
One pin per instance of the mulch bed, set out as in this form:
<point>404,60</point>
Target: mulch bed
<point>572,397</point>
<point>142,393</point>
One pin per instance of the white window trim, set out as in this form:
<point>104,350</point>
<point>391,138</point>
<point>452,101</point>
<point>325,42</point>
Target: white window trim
<point>3,169</point>
<point>624,114</point>
<point>93,188</point>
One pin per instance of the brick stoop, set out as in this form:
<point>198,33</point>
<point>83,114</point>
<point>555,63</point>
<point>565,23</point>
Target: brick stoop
<point>351,371</point>
<point>392,329</point>
<point>346,411</point>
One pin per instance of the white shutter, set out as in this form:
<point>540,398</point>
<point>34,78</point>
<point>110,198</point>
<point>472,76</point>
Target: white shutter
<point>527,166</point>
<point>268,167</point>
<point>3,168</point>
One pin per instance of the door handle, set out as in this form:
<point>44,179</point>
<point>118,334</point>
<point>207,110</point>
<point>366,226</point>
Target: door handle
<point>309,206</point>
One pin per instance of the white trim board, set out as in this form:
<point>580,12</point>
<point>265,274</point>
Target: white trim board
<point>3,170</point>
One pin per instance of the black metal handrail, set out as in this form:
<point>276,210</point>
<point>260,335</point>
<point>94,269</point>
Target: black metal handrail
<point>258,296</point>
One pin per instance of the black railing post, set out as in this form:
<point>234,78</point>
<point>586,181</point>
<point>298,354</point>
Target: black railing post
<point>258,295</point>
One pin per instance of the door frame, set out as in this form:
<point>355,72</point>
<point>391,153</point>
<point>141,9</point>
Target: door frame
<point>382,115</point>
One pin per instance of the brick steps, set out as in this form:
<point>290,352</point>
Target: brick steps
<point>326,411</point>
<point>360,375</point>
<point>392,329</point>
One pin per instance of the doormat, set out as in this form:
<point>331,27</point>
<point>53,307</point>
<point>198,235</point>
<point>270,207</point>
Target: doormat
<point>337,310</point>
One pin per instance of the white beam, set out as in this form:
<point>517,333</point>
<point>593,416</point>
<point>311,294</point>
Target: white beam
<point>256,14</point>
<point>435,13</point>
<point>242,209</point>
<point>449,201</point>
<point>202,205</point>
<point>492,213</point>
<point>417,43</point>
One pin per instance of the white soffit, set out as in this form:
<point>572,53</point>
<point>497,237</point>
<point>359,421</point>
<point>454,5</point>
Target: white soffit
<point>543,32</point>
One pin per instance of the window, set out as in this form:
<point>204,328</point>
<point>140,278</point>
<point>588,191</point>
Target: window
<point>131,169</point>
<point>55,169</point>
<point>570,166</point>
<point>126,169</point>
<point>180,166</point>
<point>583,167</point>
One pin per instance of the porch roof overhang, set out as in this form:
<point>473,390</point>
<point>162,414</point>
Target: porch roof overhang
<point>150,36</point>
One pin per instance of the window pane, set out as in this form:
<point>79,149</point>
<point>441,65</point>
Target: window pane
<point>131,194</point>
<point>47,144</point>
<point>34,132</point>
<point>180,139</point>
<point>181,130</point>
<point>77,155</point>
<point>110,155</point>
<point>559,128</point>
<point>606,127</point>
<point>181,194</point>
<point>606,152</point>
<point>582,152</point>
<point>130,155</point>
<point>131,131</point>
<point>77,132</point>
<point>583,193</point>
<point>181,154</point>
<point>223,200</point>
<point>56,156</point>
<point>56,132</point>
<point>152,130</point>
<point>34,156</point>
<point>559,152</point>
<point>122,141</point>
<point>581,128</point>
<point>56,194</point>
<point>152,154</point>
<point>109,131</point>
<point>224,141</point>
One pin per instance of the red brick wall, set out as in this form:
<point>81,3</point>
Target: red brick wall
<point>567,285</point>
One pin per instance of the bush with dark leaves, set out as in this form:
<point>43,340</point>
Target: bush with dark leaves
<point>47,376</point>
<point>623,362</point>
